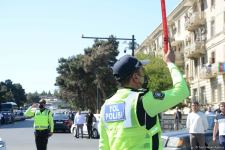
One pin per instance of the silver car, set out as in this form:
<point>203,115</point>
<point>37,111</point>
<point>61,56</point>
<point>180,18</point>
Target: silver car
<point>179,140</point>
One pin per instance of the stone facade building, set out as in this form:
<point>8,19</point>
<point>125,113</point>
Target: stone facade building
<point>197,35</point>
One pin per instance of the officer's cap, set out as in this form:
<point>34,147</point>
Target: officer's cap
<point>42,101</point>
<point>125,66</point>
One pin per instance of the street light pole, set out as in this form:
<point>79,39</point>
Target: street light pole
<point>120,39</point>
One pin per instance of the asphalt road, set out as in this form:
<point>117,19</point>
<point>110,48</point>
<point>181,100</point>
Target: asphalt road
<point>20,136</point>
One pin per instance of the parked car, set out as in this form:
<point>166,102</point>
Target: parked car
<point>8,117</point>
<point>62,122</point>
<point>95,132</point>
<point>179,140</point>
<point>2,145</point>
<point>74,127</point>
<point>19,115</point>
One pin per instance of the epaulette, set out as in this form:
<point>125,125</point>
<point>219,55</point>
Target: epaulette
<point>158,95</point>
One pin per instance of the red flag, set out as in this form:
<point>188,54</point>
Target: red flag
<point>165,29</point>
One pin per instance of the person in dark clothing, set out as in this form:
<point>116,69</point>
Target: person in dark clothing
<point>89,120</point>
<point>177,119</point>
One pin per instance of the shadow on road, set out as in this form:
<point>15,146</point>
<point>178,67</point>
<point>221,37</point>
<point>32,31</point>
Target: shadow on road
<point>28,123</point>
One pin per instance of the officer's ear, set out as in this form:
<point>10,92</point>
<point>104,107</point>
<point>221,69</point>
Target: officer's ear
<point>136,76</point>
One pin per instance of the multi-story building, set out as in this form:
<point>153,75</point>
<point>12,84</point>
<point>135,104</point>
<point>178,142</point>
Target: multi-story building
<point>197,35</point>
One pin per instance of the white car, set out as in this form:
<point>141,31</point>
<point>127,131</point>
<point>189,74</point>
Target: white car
<point>95,132</point>
<point>2,145</point>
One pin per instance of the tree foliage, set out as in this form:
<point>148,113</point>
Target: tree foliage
<point>33,97</point>
<point>157,72</point>
<point>12,92</point>
<point>85,80</point>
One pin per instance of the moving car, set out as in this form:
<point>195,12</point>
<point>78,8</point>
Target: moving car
<point>2,145</point>
<point>179,140</point>
<point>62,122</point>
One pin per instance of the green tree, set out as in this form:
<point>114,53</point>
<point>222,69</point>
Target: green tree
<point>19,94</point>
<point>33,98</point>
<point>157,72</point>
<point>10,91</point>
<point>81,75</point>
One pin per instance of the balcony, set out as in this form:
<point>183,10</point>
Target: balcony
<point>196,20</point>
<point>175,43</point>
<point>210,71</point>
<point>195,50</point>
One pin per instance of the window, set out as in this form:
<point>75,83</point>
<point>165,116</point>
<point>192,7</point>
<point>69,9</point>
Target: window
<point>195,95</point>
<point>212,3</point>
<point>212,28</point>
<point>157,43</point>
<point>203,95</point>
<point>196,67</point>
<point>213,57</point>
<point>203,5</point>
<point>224,17</point>
<point>178,30</point>
<point>203,60</point>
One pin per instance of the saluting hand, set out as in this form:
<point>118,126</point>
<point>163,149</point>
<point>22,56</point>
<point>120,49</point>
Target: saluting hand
<point>34,105</point>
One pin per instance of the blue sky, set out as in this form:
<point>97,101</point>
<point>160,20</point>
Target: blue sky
<point>34,34</point>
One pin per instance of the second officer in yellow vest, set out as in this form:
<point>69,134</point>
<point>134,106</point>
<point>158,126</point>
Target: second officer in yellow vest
<point>43,123</point>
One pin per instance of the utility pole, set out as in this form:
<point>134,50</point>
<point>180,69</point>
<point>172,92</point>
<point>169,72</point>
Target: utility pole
<point>120,39</point>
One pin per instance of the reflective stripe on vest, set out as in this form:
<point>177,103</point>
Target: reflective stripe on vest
<point>128,107</point>
<point>41,127</point>
<point>155,129</point>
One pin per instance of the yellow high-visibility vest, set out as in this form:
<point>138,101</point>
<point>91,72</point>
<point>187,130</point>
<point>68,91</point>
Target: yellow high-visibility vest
<point>42,120</point>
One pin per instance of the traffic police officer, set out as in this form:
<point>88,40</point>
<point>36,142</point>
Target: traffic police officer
<point>43,123</point>
<point>129,119</point>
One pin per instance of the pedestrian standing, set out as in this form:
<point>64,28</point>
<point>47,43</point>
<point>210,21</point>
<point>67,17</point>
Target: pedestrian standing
<point>177,119</point>
<point>79,120</point>
<point>209,111</point>
<point>220,126</point>
<point>43,123</point>
<point>89,120</point>
<point>197,125</point>
<point>129,119</point>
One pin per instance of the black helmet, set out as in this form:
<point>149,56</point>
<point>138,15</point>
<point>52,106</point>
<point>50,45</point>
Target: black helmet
<point>125,66</point>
